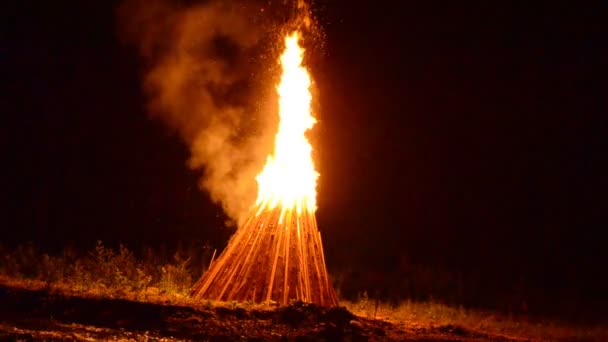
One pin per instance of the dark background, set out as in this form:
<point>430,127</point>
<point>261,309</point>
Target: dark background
<point>461,139</point>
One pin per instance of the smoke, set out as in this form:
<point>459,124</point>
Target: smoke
<point>208,79</point>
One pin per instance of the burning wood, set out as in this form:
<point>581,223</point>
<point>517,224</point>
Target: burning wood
<point>277,254</point>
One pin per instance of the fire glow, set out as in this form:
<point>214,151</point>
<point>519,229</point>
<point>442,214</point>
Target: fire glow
<point>289,177</point>
<point>277,254</point>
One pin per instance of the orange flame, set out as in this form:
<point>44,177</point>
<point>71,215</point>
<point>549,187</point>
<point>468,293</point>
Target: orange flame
<point>289,177</point>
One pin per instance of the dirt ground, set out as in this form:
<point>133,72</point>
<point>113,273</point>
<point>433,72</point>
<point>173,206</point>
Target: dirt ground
<point>33,315</point>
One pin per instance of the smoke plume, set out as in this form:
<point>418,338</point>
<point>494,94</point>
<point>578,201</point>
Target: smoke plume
<point>204,79</point>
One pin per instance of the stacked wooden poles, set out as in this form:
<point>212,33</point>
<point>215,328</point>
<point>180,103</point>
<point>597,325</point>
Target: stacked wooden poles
<point>277,255</point>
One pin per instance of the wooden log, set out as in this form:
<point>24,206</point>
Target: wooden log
<point>276,255</point>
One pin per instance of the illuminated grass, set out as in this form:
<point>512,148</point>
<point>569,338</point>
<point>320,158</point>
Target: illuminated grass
<point>421,315</point>
<point>108,273</point>
<point>102,272</point>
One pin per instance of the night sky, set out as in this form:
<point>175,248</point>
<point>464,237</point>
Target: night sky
<point>466,136</point>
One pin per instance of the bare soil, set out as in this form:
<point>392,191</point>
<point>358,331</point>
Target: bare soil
<point>33,315</point>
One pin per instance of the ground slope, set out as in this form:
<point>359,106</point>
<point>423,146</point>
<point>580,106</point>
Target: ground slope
<point>45,315</point>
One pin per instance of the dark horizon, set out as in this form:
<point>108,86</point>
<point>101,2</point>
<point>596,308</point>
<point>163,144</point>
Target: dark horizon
<point>463,137</point>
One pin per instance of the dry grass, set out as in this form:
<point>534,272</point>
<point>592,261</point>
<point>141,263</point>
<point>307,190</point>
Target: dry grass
<point>103,272</point>
<point>109,273</point>
<point>432,314</point>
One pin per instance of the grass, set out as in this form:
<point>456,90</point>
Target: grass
<point>433,314</point>
<point>102,272</point>
<point>117,273</point>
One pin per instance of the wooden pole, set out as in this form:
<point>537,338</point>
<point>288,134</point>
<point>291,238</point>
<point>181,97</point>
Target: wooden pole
<point>276,255</point>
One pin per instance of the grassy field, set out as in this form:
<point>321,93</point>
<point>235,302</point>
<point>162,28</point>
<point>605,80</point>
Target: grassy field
<point>432,314</point>
<point>106,274</point>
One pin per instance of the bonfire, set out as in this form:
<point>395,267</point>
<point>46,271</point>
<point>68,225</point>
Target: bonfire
<point>276,255</point>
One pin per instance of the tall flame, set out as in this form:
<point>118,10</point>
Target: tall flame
<point>289,177</point>
<point>277,253</point>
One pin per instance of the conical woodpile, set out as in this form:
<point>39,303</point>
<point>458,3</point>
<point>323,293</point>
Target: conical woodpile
<point>275,256</point>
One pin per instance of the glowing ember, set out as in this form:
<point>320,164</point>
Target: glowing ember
<point>277,254</point>
<point>289,177</point>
